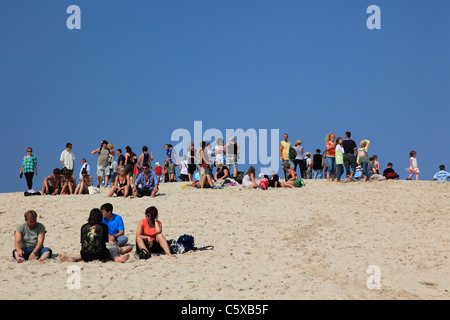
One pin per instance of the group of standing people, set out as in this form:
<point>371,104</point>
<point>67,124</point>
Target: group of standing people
<point>339,154</point>
<point>204,158</point>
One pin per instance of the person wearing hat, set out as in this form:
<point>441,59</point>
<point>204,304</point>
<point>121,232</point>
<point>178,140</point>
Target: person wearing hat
<point>102,163</point>
<point>158,170</point>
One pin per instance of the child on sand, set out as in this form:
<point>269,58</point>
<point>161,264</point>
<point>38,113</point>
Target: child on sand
<point>413,168</point>
<point>363,157</point>
<point>339,156</point>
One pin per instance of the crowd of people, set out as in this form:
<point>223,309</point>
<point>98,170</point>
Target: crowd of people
<point>102,238</point>
<point>131,175</point>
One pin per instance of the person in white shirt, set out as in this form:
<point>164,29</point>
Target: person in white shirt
<point>184,169</point>
<point>68,158</point>
<point>84,165</point>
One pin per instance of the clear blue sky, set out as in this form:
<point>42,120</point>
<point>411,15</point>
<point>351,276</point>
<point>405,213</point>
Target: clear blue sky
<point>138,70</point>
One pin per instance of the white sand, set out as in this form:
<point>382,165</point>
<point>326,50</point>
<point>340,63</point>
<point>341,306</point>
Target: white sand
<point>310,243</point>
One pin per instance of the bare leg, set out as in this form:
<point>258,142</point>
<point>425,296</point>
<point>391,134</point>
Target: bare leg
<point>121,259</point>
<point>164,245</point>
<point>44,188</point>
<point>44,256</point>
<point>65,258</point>
<point>111,192</point>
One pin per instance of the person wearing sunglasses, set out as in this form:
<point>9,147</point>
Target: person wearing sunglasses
<point>148,182</point>
<point>29,168</point>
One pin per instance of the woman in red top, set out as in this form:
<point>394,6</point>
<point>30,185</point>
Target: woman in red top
<point>149,237</point>
<point>330,158</point>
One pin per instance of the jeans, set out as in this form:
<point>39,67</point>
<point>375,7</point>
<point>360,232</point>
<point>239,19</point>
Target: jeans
<point>364,166</point>
<point>340,171</point>
<point>331,165</point>
<point>349,160</point>
<point>28,251</point>
<point>122,240</point>
<point>317,174</point>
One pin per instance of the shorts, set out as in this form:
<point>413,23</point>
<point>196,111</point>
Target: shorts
<point>191,168</point>
<point>232,161</point>
<point>204,170</point>
<point>102,171</point>
<point>172,167</point>
<point>129,169</point>
<point>113,251</point>
<point>297,183</point>
<point>146,191</point>
<point>291,164</point>
<point>155,248</point>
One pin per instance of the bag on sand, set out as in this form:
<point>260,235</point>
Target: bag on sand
<point>184,244</point>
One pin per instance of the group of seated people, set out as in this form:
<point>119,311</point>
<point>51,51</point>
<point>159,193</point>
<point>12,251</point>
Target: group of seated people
<point>64,182</point>
<point>102,238</point>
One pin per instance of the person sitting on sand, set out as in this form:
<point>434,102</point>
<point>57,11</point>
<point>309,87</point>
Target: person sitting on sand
<point>121,186</point>
<point>222,172</point>
<point>249,179</point>
<point>149,237</point>
<point>292,179</point>
<point>29,240</point>
<point>53,183</point>
<point>442,175</point>
<point>148,181</point>
<point>116,228</point>
<point>274,181</point>
<point>389,172</point>
<point>372,171</point>
<point>69,183</point>
<point>95,244</point>
<point>85,182</point>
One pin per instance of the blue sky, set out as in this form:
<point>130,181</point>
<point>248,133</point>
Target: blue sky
<point>137,71</point>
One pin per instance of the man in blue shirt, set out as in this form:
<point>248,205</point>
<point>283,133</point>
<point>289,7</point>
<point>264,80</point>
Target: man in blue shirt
<point>441,175</point>
<point>116,229</point>
<point>149,183</point>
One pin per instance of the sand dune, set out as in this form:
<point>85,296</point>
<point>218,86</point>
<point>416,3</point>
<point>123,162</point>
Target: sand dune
<point>310,243</point>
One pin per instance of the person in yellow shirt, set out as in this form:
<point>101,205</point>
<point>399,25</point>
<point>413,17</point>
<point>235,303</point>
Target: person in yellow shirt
<point>285,145</point>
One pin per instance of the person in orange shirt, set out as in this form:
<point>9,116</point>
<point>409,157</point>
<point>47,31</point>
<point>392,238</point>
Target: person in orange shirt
<point>149,237</point>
